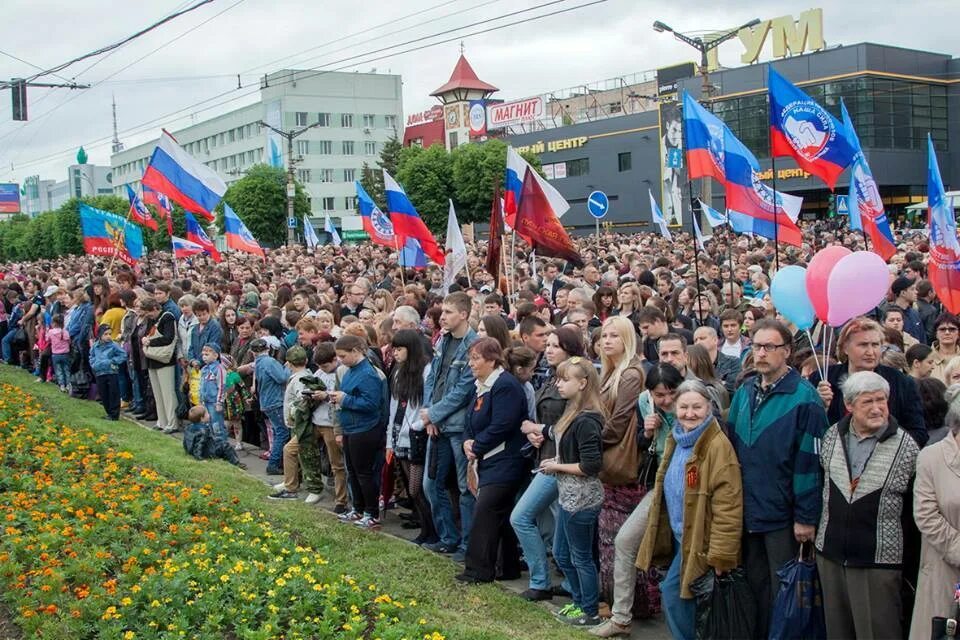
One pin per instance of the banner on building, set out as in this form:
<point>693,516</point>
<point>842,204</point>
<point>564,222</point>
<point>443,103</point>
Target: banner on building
<point>508,114</point>
<point>478,118</point>
<point>673,170</point>
<point>274,148</point>
<point>9,198</point>
<point>668,79</point>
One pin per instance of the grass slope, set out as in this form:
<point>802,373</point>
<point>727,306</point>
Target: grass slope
<point>464,613</point>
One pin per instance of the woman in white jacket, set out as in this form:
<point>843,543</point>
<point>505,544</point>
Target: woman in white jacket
<point>406,436</point>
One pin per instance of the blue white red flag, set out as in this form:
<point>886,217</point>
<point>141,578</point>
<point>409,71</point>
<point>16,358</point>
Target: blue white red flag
<point>237,235</point>
<point>412,256</point>
<point>407,222</point>
<point>513,189</point>
<point>332,230</point>
<point>375,223</point>
<point>714,217</point>
<point>944,267</point>
<point>195,233</point>
<point>802,129</point>
<point>866,206</point>
<point>701,239</point>
<point>109,235</point>
<point>183,248</point>
<point>188,182</point>
<point>749,225</point>
<point>309,233</point>
<point>163,205</point>
<point>138,211</point>
<point>657,216</point>
<point>704,134</point>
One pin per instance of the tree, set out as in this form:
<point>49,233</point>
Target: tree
<point>260,199</point>
<point>427,177</point>
<point>476,169</point>
<point>371,179</point>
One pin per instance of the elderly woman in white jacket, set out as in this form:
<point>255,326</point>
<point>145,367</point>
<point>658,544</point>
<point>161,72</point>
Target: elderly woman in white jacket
<point>936,509</point>
<point>406,436</point>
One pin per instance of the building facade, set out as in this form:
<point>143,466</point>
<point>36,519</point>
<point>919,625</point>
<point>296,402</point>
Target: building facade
<point>83,180</point>
<point>350,115</point>
<point>895,96</point>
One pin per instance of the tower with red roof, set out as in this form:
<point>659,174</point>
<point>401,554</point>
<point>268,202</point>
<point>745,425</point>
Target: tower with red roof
<point>463,98</point>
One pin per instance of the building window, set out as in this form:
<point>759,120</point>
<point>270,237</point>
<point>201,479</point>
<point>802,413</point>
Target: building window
<point>303,175</point>
<point>391,122</point>
<point>242,132</point>
<point>222,139</point>
<point>370,148</point>
<point>625,161</point>
<point>327,203</point>
<point>578,167</point>
<point>349,175</point>
<point>453,140</point>
<point>233,162</point>
<point>303,147</point>
<point>346,120</point>
<point>350,203</point>
<point>323,119</point>
<point>326,175</point>
<point>301,118</point>
<point>232,135</point>
<point>324,147</point>
<point>368,120</point>
<point>348,147</point>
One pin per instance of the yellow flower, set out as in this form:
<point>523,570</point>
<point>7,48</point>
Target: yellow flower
<point>346,627</point>
<point>129,635</point>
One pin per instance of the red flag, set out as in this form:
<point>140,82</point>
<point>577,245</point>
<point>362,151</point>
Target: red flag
<point>496,237</point>
<point>539,225</point>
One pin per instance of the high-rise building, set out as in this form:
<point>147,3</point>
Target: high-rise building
<point>354,115</point>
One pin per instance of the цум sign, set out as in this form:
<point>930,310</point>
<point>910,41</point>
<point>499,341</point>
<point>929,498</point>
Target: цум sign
<point>508,114</point>
<point>790,37</point>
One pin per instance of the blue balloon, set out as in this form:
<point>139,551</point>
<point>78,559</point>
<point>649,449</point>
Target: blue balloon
<point>788,290</point>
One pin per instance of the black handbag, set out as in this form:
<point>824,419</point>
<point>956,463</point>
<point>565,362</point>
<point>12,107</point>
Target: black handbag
<point>418,446</point>
<point>648,466</point>
<point>945,628</point>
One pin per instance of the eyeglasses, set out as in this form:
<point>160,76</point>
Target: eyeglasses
<point>766,347</point>
<point>947,329</point>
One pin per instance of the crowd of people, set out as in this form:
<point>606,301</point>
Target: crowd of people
<point>640,421</point>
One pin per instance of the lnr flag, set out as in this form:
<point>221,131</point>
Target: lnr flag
<point>538,224</point>
<point>944,271</point>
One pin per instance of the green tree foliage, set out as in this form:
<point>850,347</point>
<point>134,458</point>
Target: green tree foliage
<point>260,199</point>
<point>371,178</point>
<point>427,177</point>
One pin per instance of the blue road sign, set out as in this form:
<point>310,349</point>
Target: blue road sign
<point>843,205</point>
<point>292,223</point>
<point>598,204</point>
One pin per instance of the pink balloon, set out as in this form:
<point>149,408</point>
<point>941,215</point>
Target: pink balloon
<point>858,283</point>
<point>818,274</point>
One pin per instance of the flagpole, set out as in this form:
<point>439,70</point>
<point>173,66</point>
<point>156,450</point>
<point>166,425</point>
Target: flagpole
<point>776,209</point>
<point>396,243</point>
<point>696,250</point>
<point>730,237</point>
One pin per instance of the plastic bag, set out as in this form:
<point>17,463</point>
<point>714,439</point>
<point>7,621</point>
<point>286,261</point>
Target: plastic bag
<point>726,608</point>
<point>798,608</point>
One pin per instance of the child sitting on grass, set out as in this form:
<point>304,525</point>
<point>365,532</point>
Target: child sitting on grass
<point>199,442</point>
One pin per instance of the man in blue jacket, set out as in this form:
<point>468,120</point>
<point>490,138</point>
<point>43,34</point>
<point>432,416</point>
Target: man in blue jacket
<point>447,393</point>
<point>270,380</point>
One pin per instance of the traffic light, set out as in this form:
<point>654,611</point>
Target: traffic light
<point>831,206</point>
<point>18,90</point>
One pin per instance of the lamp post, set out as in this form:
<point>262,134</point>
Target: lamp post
<point>291,185</point>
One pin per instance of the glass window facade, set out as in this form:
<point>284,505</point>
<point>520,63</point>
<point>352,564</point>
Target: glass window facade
<point>887,113</point>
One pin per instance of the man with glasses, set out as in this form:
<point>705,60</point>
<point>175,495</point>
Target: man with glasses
<point>354,301</point>
<point>775,422</point>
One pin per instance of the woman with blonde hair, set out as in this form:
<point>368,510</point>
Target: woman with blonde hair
<point>621,382</point>
<point>383,302</point>
<point>701,364</point>
<point>579,460</point>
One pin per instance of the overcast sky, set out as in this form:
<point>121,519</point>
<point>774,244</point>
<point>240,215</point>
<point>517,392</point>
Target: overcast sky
<point>602,41</point>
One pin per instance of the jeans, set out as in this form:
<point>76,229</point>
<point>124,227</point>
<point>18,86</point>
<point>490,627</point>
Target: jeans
<point>6,346</point>
<point>218,429</point>
<point>573,551</point>
<point>109,390</point>
<point>537,499</point>
<point>61,368</point>
<point>448,448</point>
<point>125,385</point>
<point>138,404</point>
<point>280,435</point>
<point>681,613</point>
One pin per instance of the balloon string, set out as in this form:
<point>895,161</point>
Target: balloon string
<point>813,348</point>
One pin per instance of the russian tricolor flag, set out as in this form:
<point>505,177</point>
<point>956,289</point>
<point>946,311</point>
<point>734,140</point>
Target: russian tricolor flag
<point>138,211</point>
<point>802,129</point>
<point>188,182</point>
<point>163,205</point>
<point>412,256</point>
<point>704,135</point>
<point>513,187</point>
<point>195,233</point>
<point>407,222</point>
<point>184,248</point>
<point>237,235</point>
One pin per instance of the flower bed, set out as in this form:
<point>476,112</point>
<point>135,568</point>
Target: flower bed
<point>96,546</point>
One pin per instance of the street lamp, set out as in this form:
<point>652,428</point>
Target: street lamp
<point>291,187</point>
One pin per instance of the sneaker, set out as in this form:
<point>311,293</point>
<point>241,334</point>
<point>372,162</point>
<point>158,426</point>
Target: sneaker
<point>536,595</point>
<point>459,556</point>
<point>169,429</point>
<point>312,498</point>
<point>439,548</point>
<point>238,446</point>
<point>340,509</point>
<point>39,380</point>
<point>584,620</point>
<point>349,516</point>
<point>570,611</point>
<point>124,405</point>
<point>368,522</point>
<point>63,389</point>
<point>280,486</point>
<point>611,629</point>
<point>274,471</point>
<point>284,495</point>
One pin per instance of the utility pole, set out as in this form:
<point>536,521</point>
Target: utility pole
<point>18,89</point>
<point>291,184</point>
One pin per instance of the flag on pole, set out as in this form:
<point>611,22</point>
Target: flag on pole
<point>517,169</point>
<point>537,222</point>
<point>109,235</point>
<point>237,234</point>
<point>309,233</point>
<point>944,267</point>
<point>407,222</point>
<point>411,255</point>
<point>866,206</point>
<point>802,129</point>
<point>785,231</point>
<point>138,211</point>
<point>375,223</point>
<point>492,264</point>
<point>657,216</point>
<point>195,233</point>
<point>183,248</point>
<point>456,249</point>
<point>701,239</point>
<point>187,181</point>
<point>704,136</point>
<point>163,205</point>
<point>332,230</point>
<point>714,217</point>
